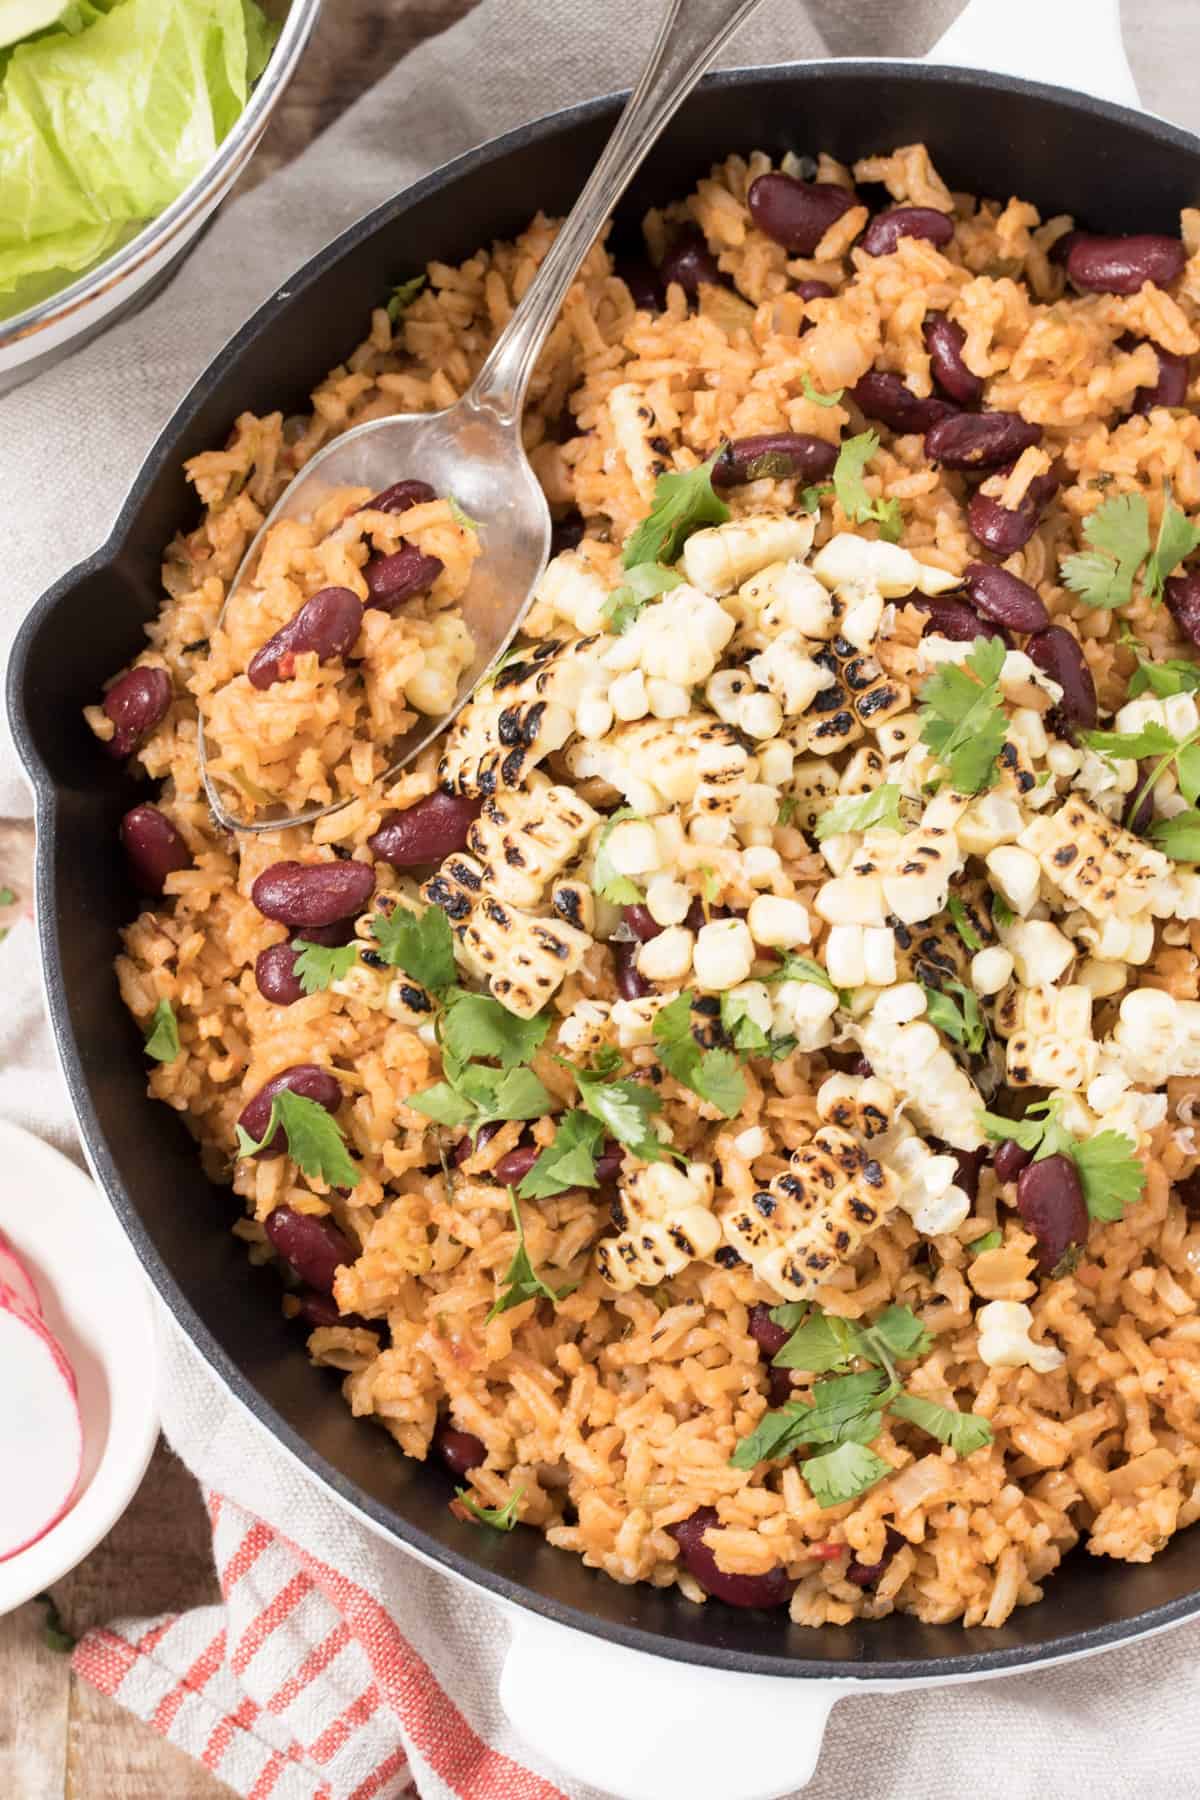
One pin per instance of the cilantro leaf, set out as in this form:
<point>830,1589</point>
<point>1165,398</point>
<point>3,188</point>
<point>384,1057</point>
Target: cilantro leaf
<point>500,1518</point>
<point>318,966</point>
<point>713,1074</point>
<point>821,1343</point>
<point>643,583</point>
<point>684,500</point>
<point>963,1020</point>
<point>962,923</point>
<point>1178,837</point>
<point>1119,535</point>
<point>443,1104</point>
<point>1151,740</point>
<point>461,517</point>
<point>776,1434</point>
<point>810,393</point>
<point>421,944</point>
<point>811,498</point>
<point>852,495</point>
<point>1164,679</point>
<point>843,1474</point>
<point>625,1109</point>
<point>520,1281</point>
<point>1177,538</point>
<point>476,1027</point>
<point>605,879</point>
<point>791,1313</point>
<point>991,1240</point>
<point>846,1408</point>
<point>801,968</point>
<point>1109,1173</point>
<point>859,812</point>
<point>1187,772</point>
<point>162,1040</point>
<point>403,296</point>
<point>1002,913</point>
<point>964,1432</point>
<point>314,1139</point>
<point>746,1035</point>
<point>569,1161</point>
<point>899,1331</point>
<point>963,719</point>
<point>502,1093</point>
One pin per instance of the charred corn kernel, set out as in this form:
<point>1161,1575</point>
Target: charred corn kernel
<point>667,699</point>
<point>667,900</point>
<point>860,955</point>
<point>523,958</point>
<point>723,954</point>
<point>1114,939</point>
<point>860,626</point>
<point>665,1221</point>
<point>994,818</point>
<point>523,713</point>
<point>1097,864</point>
<point>1156,1036</point>
<point>755,998</point>
<point>856,898</point>
<point>1105,781</point>
<point>991,969</point>
<point>1051,1043</point>
<point>897,735</point>
<point>900,1005</point>
<point>594,717</point>
<point>574,591</point>
<point>860,1104</point>
<point>761,865</point>
<point>864,772</point>
<point>585,1029</point>
<point>751,1143</point>
<point>1022,681</point>
<point>1016,875</point>
<point>575,903</point>
<point>657,762</point>
<point>1025,728</point>
<point>804,1011</point>
<point>1039,951</point>
<point>925,1180</point>
<point>680,638</point>
<point>850,561</point>
<point>813,1217</point>
<point>1063,759</point>
<point>775,760</point>
<point>1004,1340</point>
<point>779,924</point>
<point>632,847</point>
<point>814,788</point>
<point>761,716</point>
<point>633,1020</point>
<point>788,597</point>
<point>722,557</point>
<point>913,1060</point>
<point>523,839</point>
<point>627,696</point>
<point>667,957</point>
<point>792,677</point>
<point>1177,713</point>
<point>367,986</point>
<point>1102,979</point>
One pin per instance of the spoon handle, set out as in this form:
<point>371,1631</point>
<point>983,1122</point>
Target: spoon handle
<point>691,33</point>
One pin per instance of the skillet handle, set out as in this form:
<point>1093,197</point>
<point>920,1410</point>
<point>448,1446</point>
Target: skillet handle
<point>1071,43</point>
<point>640,1727</point>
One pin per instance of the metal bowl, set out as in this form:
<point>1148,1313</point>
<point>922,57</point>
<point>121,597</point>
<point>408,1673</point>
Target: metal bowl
<point>126,280</point>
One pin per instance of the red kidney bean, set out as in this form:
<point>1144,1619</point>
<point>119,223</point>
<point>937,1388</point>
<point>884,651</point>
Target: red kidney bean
<point>311,1245</point>
<point>772,1589</point>
<point>775,453</point>
<point>690,262</point>
<point>153,846</point>
<point>883,396</point>
<point>335,935</point>
<point>1050,1201</point>
<point>1183,599</point>
<point>514,1165</point>
<point>609,1162</point>
<point>865,1575</point>
<point>780,1383</point>
<point>305,1079</point>
<point>304,894</point>
<point>1120,265</point>
<point>1188,1191</point>
<point>643,282</point>
<point>461,1451</point>
<point>797,214</point>
<point>136,703</point>
<point>955,620</point>
<point>465,1148</point>
<point>769,1337</point>
<point>980,440</point>
<point>1000,595</point>
<point>887,228</point>
<point>631,985</point>
<point>328,624</point>
<point>641,922</point>
<point>1005,529</point>
<point>1061,247</point>
<point>322,1309</point>
<point>1058,655</point>
<point>1171,387</point>
<point>970,1162</point>
<point>1008,1159</point>
<point>431,828</point>
<point>944,341</point>
<point>403,575</point>
<point>400,496</point>
<point>275,974</point>
<point>566,533</point>
<point>812,290</point>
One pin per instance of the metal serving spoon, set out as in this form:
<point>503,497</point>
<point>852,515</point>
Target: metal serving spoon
<point>473,449</point>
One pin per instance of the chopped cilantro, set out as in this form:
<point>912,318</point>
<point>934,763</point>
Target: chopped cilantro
<point>859,812</point>
<point>479,1094</point>
<point>1178,675</point>
<point>964,1432</point>
<point>1002,913</point>
<point>569,1161</point>
<point>500,1518</point>
<point>605,880</point>
<point>851,491</point>
<point>843,1474</point>
<point>476,1027</point>
<point>963,721</point>
<point>1177,538</point>
<point>810,393</point>
<point>625,1109</point>
<point>801,968</point>
<point>643,583</point>
<point>403,296</point>
<point>991,1240</point>
<point>1178,837</point>
<point>1119,535</point>
<point>460,515</point>
<point>844,1408</point>
<point>747,1037</point>
<point>811,498</point>
<point>421,944</point>
<point>1127,746</point>
<point>314,1139</point>
<point>162,1040</point>
<point>683,502</point>
<point>961,1019</point>
<point>962,924</point>
<point>520,1281</point>
<point>318,966</point>
<point>713,1074</point>
<point>787,810</point>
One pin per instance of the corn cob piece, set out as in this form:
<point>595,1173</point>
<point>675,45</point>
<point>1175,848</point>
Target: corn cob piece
<point>1096,864</point>
<point>1050,1042</point>
<point>517,718</point>
<point>524,839</point>
<point>664,1220</point>
<point>523,958</point>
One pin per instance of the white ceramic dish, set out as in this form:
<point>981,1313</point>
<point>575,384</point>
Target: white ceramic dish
<point>97,1303</point>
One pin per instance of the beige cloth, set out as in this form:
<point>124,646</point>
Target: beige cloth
<point>70,444</point>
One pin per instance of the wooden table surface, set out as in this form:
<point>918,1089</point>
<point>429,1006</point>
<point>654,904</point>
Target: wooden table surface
<point>59,1738</point>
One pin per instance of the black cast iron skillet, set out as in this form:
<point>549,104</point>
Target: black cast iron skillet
<point>1116,171</point>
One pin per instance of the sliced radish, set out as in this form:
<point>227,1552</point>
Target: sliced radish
<point>41,1433</point>
<point>15,1275</point>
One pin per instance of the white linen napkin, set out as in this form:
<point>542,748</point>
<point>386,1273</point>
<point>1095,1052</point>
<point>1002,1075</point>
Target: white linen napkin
<point>70,444</point>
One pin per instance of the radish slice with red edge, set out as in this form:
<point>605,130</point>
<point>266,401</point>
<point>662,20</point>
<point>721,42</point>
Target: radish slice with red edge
<point>15,1275</point>
<point>41,1433</point>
